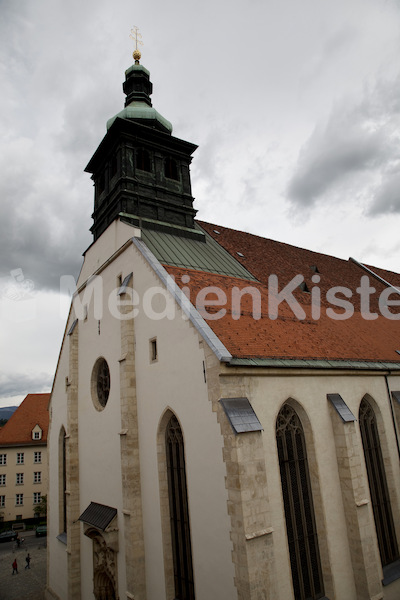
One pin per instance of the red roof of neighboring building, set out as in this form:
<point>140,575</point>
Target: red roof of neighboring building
<point>355,338</point>
<point>32,411</point>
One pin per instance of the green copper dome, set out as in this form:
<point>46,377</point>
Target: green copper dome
<point>138,106</point>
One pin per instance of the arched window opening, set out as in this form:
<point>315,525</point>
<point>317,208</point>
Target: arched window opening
<point>170,168</point>
<point>143,160</point>
<point>382,510</point>
<point>179,512</point>
<point>301,529</point>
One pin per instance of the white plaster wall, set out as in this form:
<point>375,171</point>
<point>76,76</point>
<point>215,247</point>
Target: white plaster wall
<point>99,439</point>
<point>113,238</point>
<point>176,381</point>
<point>56,551</point>
<point>267,394</point>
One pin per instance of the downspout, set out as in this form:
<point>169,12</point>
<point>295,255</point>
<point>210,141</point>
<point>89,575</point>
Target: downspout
<point>392,412</point>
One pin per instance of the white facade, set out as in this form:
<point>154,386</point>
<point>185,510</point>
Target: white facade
<point>237,516</point>
<point>174,382</point>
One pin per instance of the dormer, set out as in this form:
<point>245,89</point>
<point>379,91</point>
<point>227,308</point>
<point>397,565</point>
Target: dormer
<point>37,433</point>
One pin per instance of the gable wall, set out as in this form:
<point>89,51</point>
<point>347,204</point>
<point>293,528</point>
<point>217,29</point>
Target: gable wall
<point>176,383</point>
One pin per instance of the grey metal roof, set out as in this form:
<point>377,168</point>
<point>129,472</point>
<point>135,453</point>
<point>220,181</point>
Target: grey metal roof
<point>124,285</point>
<point>241,415</point>
<point>341,407</point>
<point>98,515</point>
<point>187,307</point>
<point>300,363</point>
<point>71,329</point>
<point>396,396</point>
<point>179,251</point>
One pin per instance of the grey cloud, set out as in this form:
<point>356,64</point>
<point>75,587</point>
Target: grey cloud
<point>357,140</point>
<point>19,384</point>
<point>387,197</point>
<point>44,221</point>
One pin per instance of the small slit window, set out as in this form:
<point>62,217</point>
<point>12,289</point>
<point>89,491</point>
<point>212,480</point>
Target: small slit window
<point>153,350</point>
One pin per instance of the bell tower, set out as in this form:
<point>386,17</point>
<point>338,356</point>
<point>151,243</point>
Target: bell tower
<point>141,172</point>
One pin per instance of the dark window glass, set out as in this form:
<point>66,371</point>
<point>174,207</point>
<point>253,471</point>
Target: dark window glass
<point>102,183</point>
<point>143,160</point>
<point>114,166</point>
<point>170,168</point>
<point>179,512</point>
<point>378,485</point>
<point>299,510</point>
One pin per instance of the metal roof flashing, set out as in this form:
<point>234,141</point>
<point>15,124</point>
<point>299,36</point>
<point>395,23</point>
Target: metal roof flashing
<point>187,307</point>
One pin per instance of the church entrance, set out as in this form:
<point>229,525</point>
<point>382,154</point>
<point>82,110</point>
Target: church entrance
<point>103,586</point>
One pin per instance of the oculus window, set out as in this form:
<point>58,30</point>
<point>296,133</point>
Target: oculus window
<point>100,384</point>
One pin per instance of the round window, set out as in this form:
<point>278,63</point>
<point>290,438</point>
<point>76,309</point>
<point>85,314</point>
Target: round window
<point>100,383</point>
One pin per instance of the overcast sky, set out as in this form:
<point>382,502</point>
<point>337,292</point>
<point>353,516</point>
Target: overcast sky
<point>295,107</point>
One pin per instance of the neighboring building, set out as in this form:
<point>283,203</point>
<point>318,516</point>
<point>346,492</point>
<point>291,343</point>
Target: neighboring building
<point>206,449</point>
<point>23,458</point>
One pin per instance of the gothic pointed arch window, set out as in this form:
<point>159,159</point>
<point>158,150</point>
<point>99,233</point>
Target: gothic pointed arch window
<point>301,529</point>
<point>380,499</point>
<point>179,511</point>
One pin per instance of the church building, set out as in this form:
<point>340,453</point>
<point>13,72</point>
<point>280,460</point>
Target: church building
<point>225,413</point>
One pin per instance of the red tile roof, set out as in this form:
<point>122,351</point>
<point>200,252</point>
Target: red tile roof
<point>355,338</point>
<point>32,411</point>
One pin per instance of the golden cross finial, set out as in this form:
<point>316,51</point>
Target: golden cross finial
<point>137,38</point>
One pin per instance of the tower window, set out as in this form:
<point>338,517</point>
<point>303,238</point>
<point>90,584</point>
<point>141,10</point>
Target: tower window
<point>102,183</point>
<point>143,160</point>
<point>114,166</point>
<point>171,168</point>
